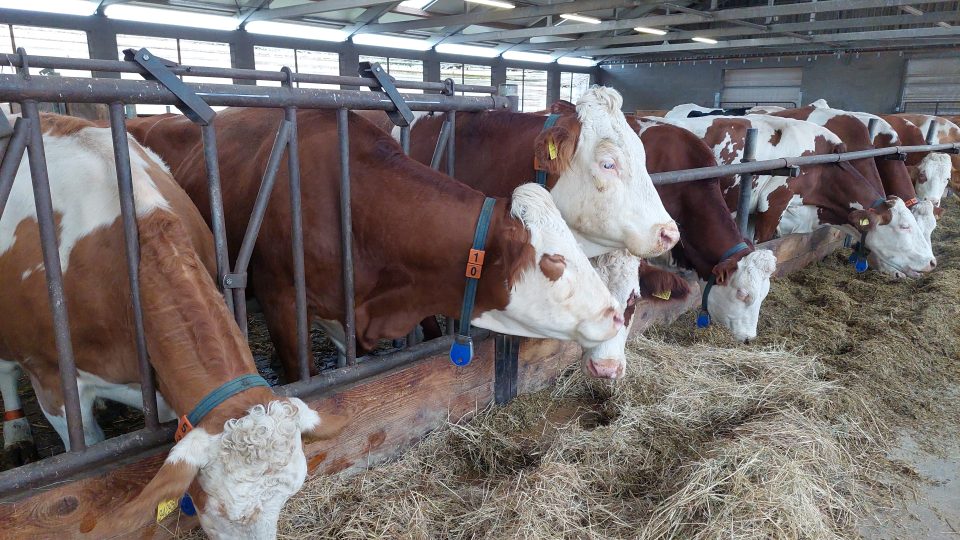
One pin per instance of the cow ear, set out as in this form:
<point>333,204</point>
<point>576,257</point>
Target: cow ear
<point>313,427</point>
<point>161,495</point>
<point>916,174</point>
<point>562,106</point>
<point>864,220</point>
<point>938,212</point>
<point>553,150</point>
<point>724,269</point>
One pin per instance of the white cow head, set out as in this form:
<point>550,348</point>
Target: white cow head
<point>618,270</point>
<point>898,244</point>
<point>736,303</point>
<point>931,176</point>
<point>604,191</point>
<point>245,473</point>
<point>560,295</point>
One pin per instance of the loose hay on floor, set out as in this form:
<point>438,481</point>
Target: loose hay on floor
<point>697,442</point>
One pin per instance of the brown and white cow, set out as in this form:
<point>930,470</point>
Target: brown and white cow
<point>536,281</point>
<point>708,230</point>
<point>892,175</point>
<point>835,194</point>
<point>945,131</point>
<point>246,455</point>
<point>929,171</point>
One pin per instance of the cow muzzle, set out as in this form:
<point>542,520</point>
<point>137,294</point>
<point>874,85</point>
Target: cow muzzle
<point>606,368</point>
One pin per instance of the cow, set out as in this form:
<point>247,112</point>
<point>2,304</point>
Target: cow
<point>595,172</point>
<point>691,110</point>
<point>892,175</point>
<point>945,131</point>
<point>245,458</point>
<point>834,194</point>
<point>929,171</point>
<point>535,282</point>
<point>709,232</point>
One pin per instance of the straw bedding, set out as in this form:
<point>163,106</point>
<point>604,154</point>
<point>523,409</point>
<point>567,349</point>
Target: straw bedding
<point>705,438</point>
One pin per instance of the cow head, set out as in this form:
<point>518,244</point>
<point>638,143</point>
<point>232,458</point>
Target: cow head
<point>603,189</point>
<point>618,270</point>
<point>735,304</point>
<point>245,474</point>
<point>556,294</point>
<point>931,176</point>
<point>898,244</point>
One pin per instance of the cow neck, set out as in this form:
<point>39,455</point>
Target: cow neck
<point>195,346</point>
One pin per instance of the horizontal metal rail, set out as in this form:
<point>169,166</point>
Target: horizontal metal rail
<point>83,90</point>
<point>121,66</point>
<point>14,482</point>
<point>755,167</point>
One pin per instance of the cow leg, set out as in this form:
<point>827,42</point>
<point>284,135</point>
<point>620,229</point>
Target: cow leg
<point>56,415</point>
<point>18,445</point>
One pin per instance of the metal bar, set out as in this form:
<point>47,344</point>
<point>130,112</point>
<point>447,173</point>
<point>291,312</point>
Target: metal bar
<point>296,236</point>
<point>51,264</point>
<point>81,90</point>
<point>452,144</point>
<point>118,66</point>
<point>128,212</point>
<point>346,238</point>
<point>505,368</point>
<point>676,177</point>
<point>217,221</point>
<point>12,158</point>
<point>746,182</point>
<point>405,139</point>
<point>240,309</point>
<point>931,133</point>
<point>441,145</point>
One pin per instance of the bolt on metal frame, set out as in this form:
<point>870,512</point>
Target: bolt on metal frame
<point>116,93</point>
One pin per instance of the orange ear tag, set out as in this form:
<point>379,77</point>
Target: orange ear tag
<point>475,263</point>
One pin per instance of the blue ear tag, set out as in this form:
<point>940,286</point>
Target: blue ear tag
<point>186,505</point>
<point>703,319</point>
<point>861,265</point>
<point>462,350</point>
<point>852,259</point>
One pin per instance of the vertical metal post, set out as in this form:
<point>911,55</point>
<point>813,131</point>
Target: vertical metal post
<point>217,221</point>
<point>931,132</point>
<point>346,237</point>
<point>128,212</point>
<point>452,144</point>
<point>12,157</point>
<point>441,145</point>
<point>505,367</point>
<point>509,91</point>
<point>51,263</point>
<point>746,182</point>
<point>405,139</point>
<point>296,234</point>
<point>872,126</point>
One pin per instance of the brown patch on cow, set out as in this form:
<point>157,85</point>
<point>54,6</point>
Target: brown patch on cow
<point>938,212</point>
<point>553,149</point>
<point>562,106</point>
<point>552,266</point>
<point>62,126</point>
<point>731,132</point>
<point>630,309</point>
<point>775,138</point>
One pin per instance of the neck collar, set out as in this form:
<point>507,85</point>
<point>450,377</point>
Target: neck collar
<point>462,350</point>
<point>209,402</point>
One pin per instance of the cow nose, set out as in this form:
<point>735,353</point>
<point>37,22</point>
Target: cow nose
<point>617,319</point>
<point>933,263</point>
<point>669,235</point>
<point>606,368</point>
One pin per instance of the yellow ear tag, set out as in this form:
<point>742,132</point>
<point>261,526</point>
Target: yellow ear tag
<point>663,295</point>
<point>864,222</point>
<point>165,508</point>
<point>552,148</point>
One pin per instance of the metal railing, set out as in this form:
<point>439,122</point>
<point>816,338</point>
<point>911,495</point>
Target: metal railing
<point>195,100</point>
<point>936,108</point>
<point>26,136</point>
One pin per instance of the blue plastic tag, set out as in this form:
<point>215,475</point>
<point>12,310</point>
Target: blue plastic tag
<point>703,319</point>
<point>186,505</point>
<point>461,353</point>
<point>861,265</point>
<point>852,259</point>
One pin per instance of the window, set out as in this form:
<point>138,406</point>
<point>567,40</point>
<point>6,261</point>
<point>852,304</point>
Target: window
<point>466,74</point>
<point>573,85</point>
<point>932,86</point>
<point>761,86</point>
<point>182,51</point>
<point>40,41</point>
<point>301,61</point>
<point>402,69</point>
<point>531,87</point>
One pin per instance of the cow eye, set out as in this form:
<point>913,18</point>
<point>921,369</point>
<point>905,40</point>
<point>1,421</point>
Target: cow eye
<point>608,164</point>
<point>905,227</point>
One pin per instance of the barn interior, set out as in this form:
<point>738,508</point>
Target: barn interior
<point>837,422</point>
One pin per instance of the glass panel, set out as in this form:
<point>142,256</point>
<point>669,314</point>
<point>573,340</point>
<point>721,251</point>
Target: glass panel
<point>573,85</point>
<point>318,63</point>
<point>165,48</point>
<point>402,69</point>
<point>6,45</point>
<point>531,87</point>
<point>40,41</point>
<point>466,74</point>
<point>272,59</point>
<point>205,53</point>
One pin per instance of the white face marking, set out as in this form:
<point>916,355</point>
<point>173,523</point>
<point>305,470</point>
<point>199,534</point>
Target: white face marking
<point>736,305</point>
<point>577,306</point>
<point>935,170</point>
<point>83,185</point>
<point>250,470</point>
<point>900,248</point>
<point>606,195</point>
<point>619,272</point>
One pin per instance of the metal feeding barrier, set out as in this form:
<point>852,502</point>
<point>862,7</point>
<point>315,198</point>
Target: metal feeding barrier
<point>163,86</point>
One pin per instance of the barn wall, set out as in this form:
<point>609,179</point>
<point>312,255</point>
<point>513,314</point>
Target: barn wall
<point>868,82</point>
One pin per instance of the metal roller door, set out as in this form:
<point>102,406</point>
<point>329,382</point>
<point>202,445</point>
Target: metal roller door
<point>761,86</point>
<point>932,86</point>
